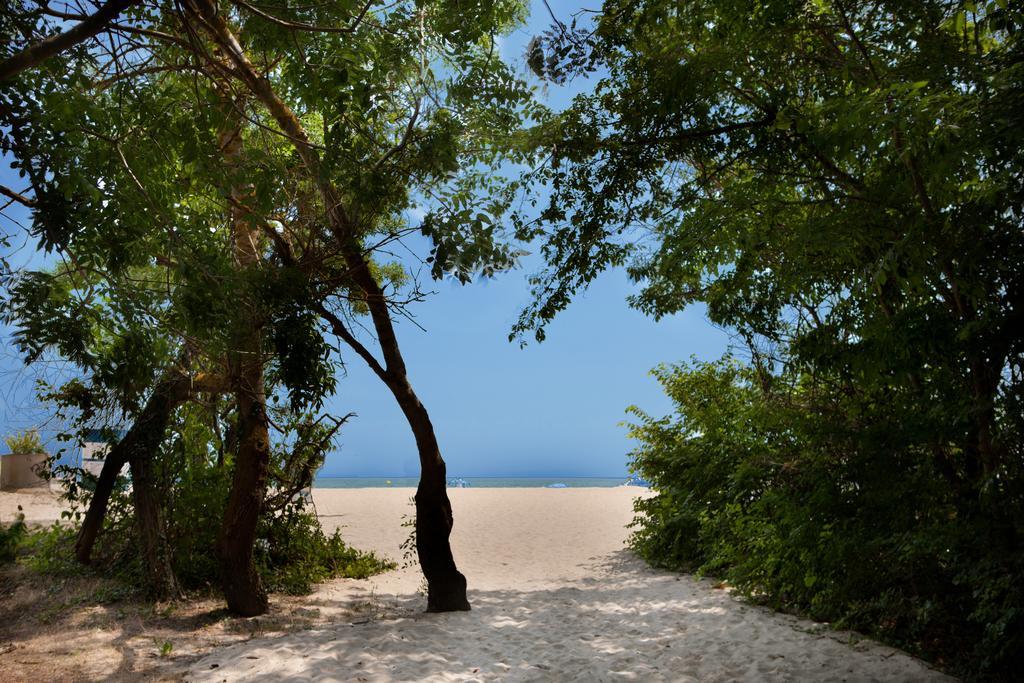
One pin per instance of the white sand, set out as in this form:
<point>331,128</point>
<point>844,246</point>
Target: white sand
<point>40,506</point>
<point>555,597</point>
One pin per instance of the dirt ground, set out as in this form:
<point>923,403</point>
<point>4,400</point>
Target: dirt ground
<point>91,628</point>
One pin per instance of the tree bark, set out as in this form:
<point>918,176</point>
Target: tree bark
<point>446,585</point>
<point>38,53</point>
<point>149,522</point>
<point>242,586</point>
<point>142,439</point>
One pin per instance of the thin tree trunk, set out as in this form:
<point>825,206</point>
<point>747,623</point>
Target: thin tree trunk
<point>242,586</point>
<point>446,585</point>
<point>115,459</point>
<point>142,440</point>
<point>149,521</point>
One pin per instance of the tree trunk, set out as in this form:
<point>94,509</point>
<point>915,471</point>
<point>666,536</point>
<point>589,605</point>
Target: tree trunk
<point>141,441</point>
<point>446,585</point>
<point>97,512</point>
<point>242,586</point>
<point>149,521</point>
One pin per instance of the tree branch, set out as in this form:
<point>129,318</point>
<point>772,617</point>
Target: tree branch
<point>17,196</point>
<point>34,55</point>
<point>300,26</point>
<point>704,133</point>
<point>338,328</point>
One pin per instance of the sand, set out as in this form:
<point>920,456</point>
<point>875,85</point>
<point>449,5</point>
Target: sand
<point>40,506</point>
<point>555,597</point>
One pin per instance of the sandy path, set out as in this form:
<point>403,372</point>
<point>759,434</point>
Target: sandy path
<point>555,597</point>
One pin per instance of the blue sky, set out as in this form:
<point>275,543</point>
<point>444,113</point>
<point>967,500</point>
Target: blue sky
<point>551,409</point>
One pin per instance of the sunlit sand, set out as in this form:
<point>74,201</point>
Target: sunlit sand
<point>556,596</point>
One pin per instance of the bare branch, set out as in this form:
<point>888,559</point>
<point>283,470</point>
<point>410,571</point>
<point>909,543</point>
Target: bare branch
<point>34,55</point>
<point>300,26</point>
<point>17,196</point>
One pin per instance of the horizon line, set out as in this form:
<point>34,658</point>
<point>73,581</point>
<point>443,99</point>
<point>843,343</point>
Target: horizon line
<point>476,476</point>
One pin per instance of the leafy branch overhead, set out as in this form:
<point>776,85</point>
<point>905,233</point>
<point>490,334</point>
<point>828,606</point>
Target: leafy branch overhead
<point>221,189</point>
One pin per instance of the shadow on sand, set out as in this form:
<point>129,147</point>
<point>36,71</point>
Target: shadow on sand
<point>630,623</point>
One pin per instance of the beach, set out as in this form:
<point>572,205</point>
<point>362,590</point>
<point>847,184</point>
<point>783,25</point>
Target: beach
<point>556,596</point>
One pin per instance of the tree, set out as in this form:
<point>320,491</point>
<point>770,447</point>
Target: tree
<point>840,183</point>
<point>833,179</point>
<point>389,109</point>
<point>354,204</point>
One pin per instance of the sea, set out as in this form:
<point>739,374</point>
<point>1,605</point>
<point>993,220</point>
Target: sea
<point>469,482</point>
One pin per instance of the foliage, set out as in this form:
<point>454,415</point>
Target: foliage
<point>410,558</point>
<point>49,551</point>
<point>827,161</point>
<point>292,551</point>
<point>812,499</point>
<point>408,547</point>
<point>27,441</point>
<point>193,470</point>
<point>839,183</point>
<point>11,536</point>
<point>411,115</point>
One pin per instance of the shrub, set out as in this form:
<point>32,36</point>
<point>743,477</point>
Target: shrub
<point>10,538</point>
<point>830,503</point>
<point>27,441</point>
<point>50,551</point>
<point>292,553</point>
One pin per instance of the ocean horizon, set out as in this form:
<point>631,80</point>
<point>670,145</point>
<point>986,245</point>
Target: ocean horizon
<point>470,482</point>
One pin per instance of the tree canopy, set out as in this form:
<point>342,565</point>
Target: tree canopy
<point>218,186</point>
<point>221,186</point>
<point>840,183</point>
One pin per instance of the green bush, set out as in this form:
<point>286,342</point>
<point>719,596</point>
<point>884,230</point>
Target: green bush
<point>829,503</point>
<point>292,553</point>
<point>27,441</point>
<point>50,551</point>
<point>11,537</point>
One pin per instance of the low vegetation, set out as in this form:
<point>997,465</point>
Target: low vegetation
<point>829,503</point>
<point>27,441</point>
<point>10,538</point>
<point>291,550</point>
